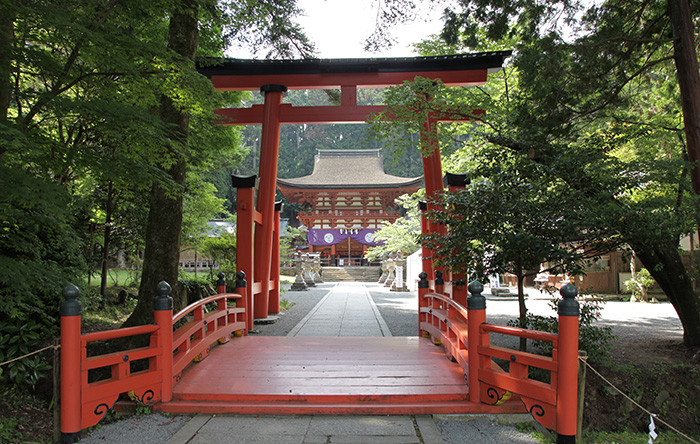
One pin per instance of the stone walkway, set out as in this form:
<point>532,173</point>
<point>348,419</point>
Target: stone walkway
<point>348,310</point>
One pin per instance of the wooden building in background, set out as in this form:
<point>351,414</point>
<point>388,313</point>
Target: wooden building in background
<point>346,199</point>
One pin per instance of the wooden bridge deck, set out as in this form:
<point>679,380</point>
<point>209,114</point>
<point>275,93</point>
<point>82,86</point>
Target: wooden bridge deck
<point>326,375</point>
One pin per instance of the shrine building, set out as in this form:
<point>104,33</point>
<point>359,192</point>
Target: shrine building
<point>346,199</point>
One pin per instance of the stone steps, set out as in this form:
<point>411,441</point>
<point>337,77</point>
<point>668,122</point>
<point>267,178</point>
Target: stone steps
<point>356,274</point>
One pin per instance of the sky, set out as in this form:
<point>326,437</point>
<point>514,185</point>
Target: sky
<point>338,28</point>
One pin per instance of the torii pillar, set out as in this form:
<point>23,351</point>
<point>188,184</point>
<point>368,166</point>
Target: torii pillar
<point>432,174</point>
<point>269,154</point>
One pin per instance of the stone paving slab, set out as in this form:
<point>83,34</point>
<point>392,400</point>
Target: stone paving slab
<point>302,429</point>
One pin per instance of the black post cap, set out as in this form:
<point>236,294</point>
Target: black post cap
<point>71,306</point>
<point>163,301</point>
<point>455,180</point>
<point>476,301</point>
<point>243,181</point>
<point>568,306</point>
<point>240,280</point>
<point>423,205</point>
<point>272,87</point>
<point>278,206</point>
<point>423,282</point>
<point>222,279</point>
<point>438,278</point>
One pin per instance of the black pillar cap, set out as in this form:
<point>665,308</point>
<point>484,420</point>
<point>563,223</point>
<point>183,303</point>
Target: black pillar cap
<point>163,301</point>
<point>278,206</point>
<point>476,301</point>
<point>568,305</point>
<point>272,87</point>
<point>71,306</point>
<point>240,280</point>
<point>243,181</point>
<point>423,205</point>
<point>455,180</point>
<point>423,282</point>
<point>438,278</point>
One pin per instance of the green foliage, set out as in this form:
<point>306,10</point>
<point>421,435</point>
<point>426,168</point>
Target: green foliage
<point>627,437</point>
<point>222,249</point>
<point>285,304</point>
<point>40,251</point>
<point>15,342</point>
<point>403,235</point>
<point>143,410</point>
<point>595,340</point>
<point>639,284</point>
<point>292,237</point>
<point>9,431</point>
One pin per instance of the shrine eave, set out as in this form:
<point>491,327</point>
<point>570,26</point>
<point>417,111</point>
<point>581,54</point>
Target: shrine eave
<point>453,70</point>
<point>408,184</point>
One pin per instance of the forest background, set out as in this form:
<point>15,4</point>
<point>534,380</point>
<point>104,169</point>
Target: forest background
<point>106,141</point>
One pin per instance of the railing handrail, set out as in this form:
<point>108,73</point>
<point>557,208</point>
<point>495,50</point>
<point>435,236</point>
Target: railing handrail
<point>118,333</point>
<point>520,332</point>
<point>460,308</point>
<point>185,311</point>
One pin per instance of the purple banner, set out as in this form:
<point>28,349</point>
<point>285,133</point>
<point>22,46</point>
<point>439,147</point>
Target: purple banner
<point>324,238</point>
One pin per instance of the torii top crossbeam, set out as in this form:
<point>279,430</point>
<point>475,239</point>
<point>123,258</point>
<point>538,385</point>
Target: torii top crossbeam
<point>346,74</point>
<point>250,75</point>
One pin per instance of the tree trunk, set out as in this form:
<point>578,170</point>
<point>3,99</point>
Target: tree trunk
<point>6,36</point>
<point>523,308</point>
<point>688,80</point>
<point>109,208</point>
<point>164,224</point>
<point>666,267</point>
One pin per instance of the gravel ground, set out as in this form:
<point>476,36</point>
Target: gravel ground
<point>141,429</point>
<point>480,431</point>
<point>399,309</point>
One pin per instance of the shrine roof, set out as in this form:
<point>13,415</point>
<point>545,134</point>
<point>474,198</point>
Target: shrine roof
<point>230,66</point>
<point>349,169</point>
<point>250,74</point>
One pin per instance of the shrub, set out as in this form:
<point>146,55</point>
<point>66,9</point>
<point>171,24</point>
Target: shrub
<point>595,340</point>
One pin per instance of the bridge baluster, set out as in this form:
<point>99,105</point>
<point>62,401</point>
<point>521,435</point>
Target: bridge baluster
<point>71,311</point>
<point>567,387</point>
<point>163,316</point>
<point>242,289</point>
<point>476,309</point>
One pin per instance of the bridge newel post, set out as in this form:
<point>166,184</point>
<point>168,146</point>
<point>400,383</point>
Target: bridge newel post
<point>221,284</point>
<point>476,315</point>
<point>439,283</point>
<point>221,289</point>
<point>71,311</point>
<point>423,289</point>
<point>567,387</point>
<point>163,317</point>
<point>242,289</point>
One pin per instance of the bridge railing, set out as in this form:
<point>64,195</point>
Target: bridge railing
<point>466,337</point>
<point>91,385</point>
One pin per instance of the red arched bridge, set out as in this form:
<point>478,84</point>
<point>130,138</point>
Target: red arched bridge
<point>164,373</point>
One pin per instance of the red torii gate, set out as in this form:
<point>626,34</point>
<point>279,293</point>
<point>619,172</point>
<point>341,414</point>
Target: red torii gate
<point>273,78</point>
